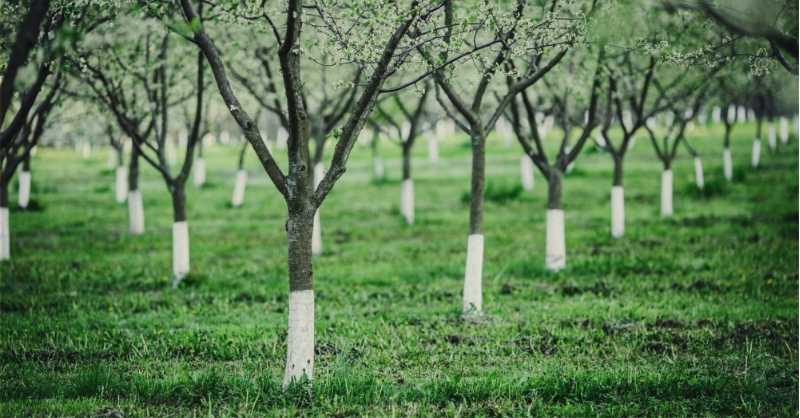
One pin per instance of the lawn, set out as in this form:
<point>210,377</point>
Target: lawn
<point>691,315</point>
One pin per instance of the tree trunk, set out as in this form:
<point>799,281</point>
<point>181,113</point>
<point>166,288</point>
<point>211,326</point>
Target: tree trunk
<point>407,187</point>
<point>727,164</point>
<point>617,211</point>
<point>5,233</point>
<point>199,174</point>
<point>698,172</point>
<point>771,135</point>
<point>618,170</point>
<point>784,124</point>
<point>473,287</point>
<point>180,234</point>
<point>756,156</point>
<point>238,188</point>
<point>300,351</point>
<point>666,190</point>
<point>526,172</point>
<point>24,195</point>
<point>433,148</point>
<point>556,252</point>
<point>135,206</point>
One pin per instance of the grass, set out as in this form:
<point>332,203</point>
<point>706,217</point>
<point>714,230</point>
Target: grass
<point>693,315</point>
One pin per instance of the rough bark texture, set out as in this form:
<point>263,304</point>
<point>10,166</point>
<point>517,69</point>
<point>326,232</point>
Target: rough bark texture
<point>618,159</point>
<point>3,192</point>
<point>299,228</point>
<point>178,202</point>
<point>554,189</point>
<point>478,180</point>
<point>406,161</point>
<point>26,162</point>
<point>133,170</point>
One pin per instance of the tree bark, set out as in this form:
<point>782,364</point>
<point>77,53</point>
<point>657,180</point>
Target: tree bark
<point>300,352</point>
<point>133,170</point>
<point>554,189</point>
<point>406,161</point>
<point>618,159</point>
<point>178,202</point>
<point>478,138</point>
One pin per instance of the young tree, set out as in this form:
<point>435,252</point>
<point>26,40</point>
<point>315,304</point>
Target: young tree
<point>571,103</point>
<point>379,49</point>
<point>530,32</point>
<point>151,65</point>
<point>410,128</point>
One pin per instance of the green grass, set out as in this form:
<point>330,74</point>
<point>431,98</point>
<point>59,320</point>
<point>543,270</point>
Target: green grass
<point>694,315</point>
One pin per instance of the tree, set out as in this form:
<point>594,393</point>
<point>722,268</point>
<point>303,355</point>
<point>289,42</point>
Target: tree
<point>530,32</point>
<point>410,127</point>
<point>571,103</point>
<point>379,49</point>
<point>117,82</point>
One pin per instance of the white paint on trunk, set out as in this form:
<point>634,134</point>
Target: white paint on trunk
<point>666,193</point>
<point>281,139</point>
<point>556,250</point>
<point>319,173</point>
<point>180,251</point>
<point>122,184</point>
<point>741,115</point>
<point>316,236</point>
<point>225,137</point>
<point>771,139</point>
<point>433,149</point>
<point>24,195</point>
<point>127,145</point>
<point>451,127</point>
<point>627,119</point>
<point>754,159</point>
<point>599,138</point>
<point>5,235</point>
<point>715,115</point>
<point>732,113</point>
<point>441,129</point>
<point>570,166</point>
<point>378,163</point>
<point>727,164</point>
<point>36,147</point>
<point>183,139</point>
<point>407,200</point>
<point>87,149</point>
<point>300,350</point>
<point>617,211</point>
<point>701,118</point>
<point>199,172</point>
<point>238,188</point>
<point>473,278</point>
<point>698,172</point>
<point>405,129</point>
<point>135,212</point>
<point>526,172</point>
<point>751,115</point>
<point>784,123</point>
<point>172,155</point>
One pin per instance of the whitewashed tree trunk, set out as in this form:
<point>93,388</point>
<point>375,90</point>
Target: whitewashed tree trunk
<point>199,172</point>
<point>87,150</point>
<point>556,249</point>
<point>180,251</point>
<point>378,165</point>
<point>727,164</point>
<point>407,200</point>
<point>135,212</point>
<point>732,114</point>
<point>526,173</point>
<point>24,196</point>
<point>5,235</point>
<point>698,173</point>
<point>183,139</point>
<point>666,193</point>
<point>751,115</point>
<point>741,115</point>
<point>122,184</point>
<point>617,211</point>
<point>716,112</point>
<point>441,130</point>
<point>473,278</point>
<point>784,124</point>
<point>300,350</point>
<point>238,188</point>
<point>771,139</point>
<point>433,149</point>
<point>316,236</point>
<point>756,153</point>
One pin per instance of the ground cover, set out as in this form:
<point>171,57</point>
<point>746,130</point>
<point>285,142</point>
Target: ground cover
<point>695,314</point>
